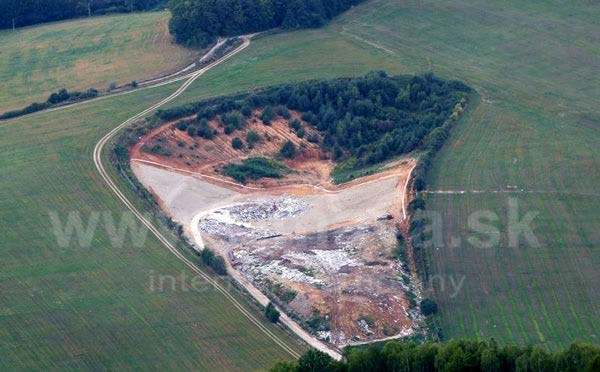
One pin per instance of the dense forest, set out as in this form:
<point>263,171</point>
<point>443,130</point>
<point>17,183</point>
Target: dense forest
<point>19,13</point>
<point>198,22</point>
<point>455,355</point>
<point>361,121</point>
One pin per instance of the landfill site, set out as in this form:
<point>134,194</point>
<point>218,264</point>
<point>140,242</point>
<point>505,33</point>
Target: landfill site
<point>323,253</point>
<point>325,257</point>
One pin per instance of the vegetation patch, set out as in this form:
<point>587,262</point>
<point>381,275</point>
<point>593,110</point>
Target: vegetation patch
<point>348,170</point>
<point>254,169</point>
<point>362,121</point>
<point>198,23</point>
<point>62,97</point>
<point>454,355</point>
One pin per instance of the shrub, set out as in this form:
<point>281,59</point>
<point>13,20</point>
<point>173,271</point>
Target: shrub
<point>267,115</point>
<point>246,110</point>
<point>61,96</point>
<point>237,143</point>
<point>428,307</point>
<point>318,322</point>
<point>191,130</point>
<point>157,150</point>
<point>204,130</point>
<point>313,138</point>
<point>182,125</point>
<point>255,168</point>
<point>288,150</point>
<point>215,262</point>
<point>218,265</point>
<point>417,203</point>
<point>283,112</point>
<point>252,137</point>
<point>419,184</point>
<point>233,119</point>
<point>295,125</point>
<point>134,84</point>
<point>309,117</point>
<point>271,313</point>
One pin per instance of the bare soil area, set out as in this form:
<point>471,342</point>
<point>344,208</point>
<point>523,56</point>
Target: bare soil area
<point>324,253</point>
<point>207,156</point>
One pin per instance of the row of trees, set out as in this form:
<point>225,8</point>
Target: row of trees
<point>198,22</point>
<point>455,355</point>
<point>19,13</point>
<point>61,97</point>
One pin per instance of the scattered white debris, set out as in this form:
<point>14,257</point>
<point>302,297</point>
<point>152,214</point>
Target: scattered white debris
<point>364,326</point>
<point>269,209</point>
<point>324,335</point>
<point>329,261</point>
<point>276,268</point>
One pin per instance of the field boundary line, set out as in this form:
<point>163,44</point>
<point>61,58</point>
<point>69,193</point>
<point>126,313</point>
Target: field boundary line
<point>97,157</point>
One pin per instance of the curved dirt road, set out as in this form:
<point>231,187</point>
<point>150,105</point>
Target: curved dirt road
<point>111,184</point>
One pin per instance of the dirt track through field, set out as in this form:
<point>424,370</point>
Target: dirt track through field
<point>97,156</point>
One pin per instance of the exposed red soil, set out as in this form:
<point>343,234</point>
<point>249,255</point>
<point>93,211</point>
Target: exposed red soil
<point>311,165</point>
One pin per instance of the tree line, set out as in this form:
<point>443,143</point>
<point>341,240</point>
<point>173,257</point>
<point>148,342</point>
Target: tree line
<point>455,355</point>
<point>199,22</point>
<point>20,13</point>
<point>61,97</point>
<point>362,121</point>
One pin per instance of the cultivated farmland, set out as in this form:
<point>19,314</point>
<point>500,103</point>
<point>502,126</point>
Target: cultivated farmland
<point>82,54</point>
<point>100,303</point>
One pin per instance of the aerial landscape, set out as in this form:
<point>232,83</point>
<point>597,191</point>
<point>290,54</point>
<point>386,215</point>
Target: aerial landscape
<point>301,185</point>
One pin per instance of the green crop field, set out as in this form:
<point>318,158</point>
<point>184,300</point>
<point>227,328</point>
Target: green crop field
<point>536,127</point>
<point>100,305</point>
<point>87,53</point>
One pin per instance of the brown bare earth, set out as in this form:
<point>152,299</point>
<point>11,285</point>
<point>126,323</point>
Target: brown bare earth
<point>207,156</point>
<point>324,253</point>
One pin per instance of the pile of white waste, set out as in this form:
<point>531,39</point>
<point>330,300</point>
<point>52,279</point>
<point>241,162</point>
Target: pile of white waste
<point>329,261</point>
<point>273,208</point>
<point>255,269</point>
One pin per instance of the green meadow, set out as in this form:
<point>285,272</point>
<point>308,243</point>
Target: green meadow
<point>87,53</point>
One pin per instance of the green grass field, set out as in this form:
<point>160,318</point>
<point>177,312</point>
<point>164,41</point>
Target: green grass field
<point>87,53</point>
<point>535,66</point>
